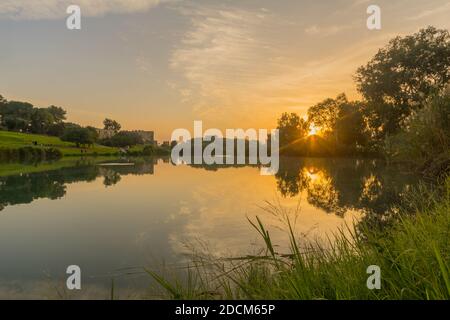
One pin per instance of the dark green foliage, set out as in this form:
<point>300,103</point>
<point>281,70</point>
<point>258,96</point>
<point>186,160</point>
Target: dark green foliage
<point>29,154</point>
<point>111,125</point>
<point>123,139</point>
<point>148,150</point>
<point>292,128</point>
<point>80,136</point>
<point>24,117</point>
<point>402,75</point>
<point>426,135</point>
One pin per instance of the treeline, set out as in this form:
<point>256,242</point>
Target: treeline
<point>404,114</point>
<point>24,117</point>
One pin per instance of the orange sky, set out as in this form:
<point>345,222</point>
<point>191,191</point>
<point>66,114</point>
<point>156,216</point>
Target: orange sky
<point>160,65</point>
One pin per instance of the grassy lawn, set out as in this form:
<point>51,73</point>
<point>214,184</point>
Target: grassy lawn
<point>10,139</point>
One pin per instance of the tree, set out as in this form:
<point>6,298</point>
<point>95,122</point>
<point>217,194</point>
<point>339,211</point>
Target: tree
<point>80,136</point>
<point>291,128</point>
<point>56,129</point>
<point>402,75</point>
<point>325,114</point>
<point>123,139</point>
<point>350,125</point>
<point>58,113</point>
<point>111,125</point>
<point>94,133</point>
<point>340,121</point>
<point>40,121</point>
<point>16,115</point>
<point>24,117</point>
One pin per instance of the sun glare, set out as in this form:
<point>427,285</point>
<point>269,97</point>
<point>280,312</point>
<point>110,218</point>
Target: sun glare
<point>313,130</point>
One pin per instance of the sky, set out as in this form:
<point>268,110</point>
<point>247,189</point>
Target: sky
<point>161,64</point>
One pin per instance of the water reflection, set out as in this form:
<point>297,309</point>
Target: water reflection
<point>27,187</point>
<point>123,213</point>
<point>339,185</point>
<point>332,185</point>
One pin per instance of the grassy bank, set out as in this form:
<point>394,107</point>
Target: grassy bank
<point>413,254</point>
<point>16,140</point>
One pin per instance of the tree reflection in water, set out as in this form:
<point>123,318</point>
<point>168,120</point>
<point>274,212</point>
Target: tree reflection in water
<point>339,185</point>
<point>332,185</point>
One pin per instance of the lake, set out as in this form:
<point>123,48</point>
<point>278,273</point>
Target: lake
<point>112,218</point>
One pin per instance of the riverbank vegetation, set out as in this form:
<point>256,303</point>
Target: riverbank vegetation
<point>32,133</point>
<point>413,255</point>
<point>404,114</point>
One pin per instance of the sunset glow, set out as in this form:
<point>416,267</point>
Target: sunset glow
<point>313,130</point>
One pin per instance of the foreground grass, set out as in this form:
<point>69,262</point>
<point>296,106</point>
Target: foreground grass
<point>413,254</point>
<point>9,139</point>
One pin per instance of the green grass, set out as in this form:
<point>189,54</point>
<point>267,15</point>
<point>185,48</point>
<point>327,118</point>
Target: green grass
<point>10,139</point>
<point>413,254</point>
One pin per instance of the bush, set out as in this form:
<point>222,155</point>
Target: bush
<point>426,133</point>
<point>148,150</point>
<point>123,139</point>
<point>80,136</point>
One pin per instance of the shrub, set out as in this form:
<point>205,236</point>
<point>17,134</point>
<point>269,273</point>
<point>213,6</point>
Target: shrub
<point>123,139</point>
<point>426,133</point>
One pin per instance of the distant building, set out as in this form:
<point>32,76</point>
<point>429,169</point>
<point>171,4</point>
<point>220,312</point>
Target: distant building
<point>104,134</point>
<point>147,136</point>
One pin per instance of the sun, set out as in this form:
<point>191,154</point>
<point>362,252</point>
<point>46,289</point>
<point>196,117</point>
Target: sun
<point>313,130</point>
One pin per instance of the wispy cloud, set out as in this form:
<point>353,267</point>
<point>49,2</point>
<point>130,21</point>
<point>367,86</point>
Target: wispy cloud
<point>222,53</point>
<point>316,30</point>
<point>238,70</point>
<point>54,9</point>
<point>431,12</point>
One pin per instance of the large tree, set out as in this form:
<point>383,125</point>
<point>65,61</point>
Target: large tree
<point>291,128</point>
<point>58,113</point>
<point>339,120</point>
<point>111,125</point>
<point>325,114</point>
<point>80,136</point>
<point>402,75</point>
<point>16,115</point>
<point>40,121</point>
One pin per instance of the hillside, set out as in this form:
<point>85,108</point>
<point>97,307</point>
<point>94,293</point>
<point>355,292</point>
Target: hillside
<point>10,139</point>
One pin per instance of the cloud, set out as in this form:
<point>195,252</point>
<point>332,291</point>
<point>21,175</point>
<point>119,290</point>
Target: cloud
<point>240,67</point>
<point>54,9</point>
<point>221,52</point>
<point>326,31</point>
<point>430,12</point>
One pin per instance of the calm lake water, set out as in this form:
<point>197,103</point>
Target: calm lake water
<point>112,219</point>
